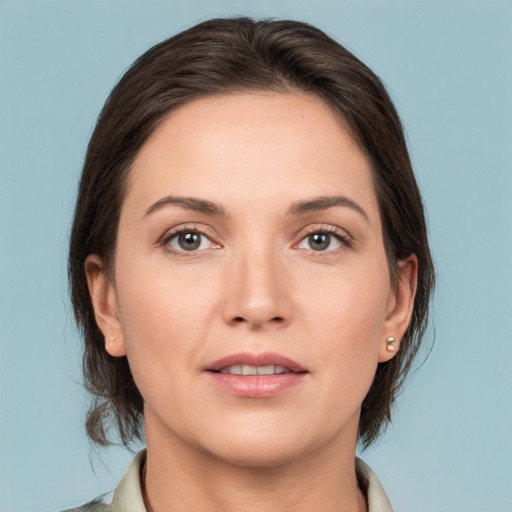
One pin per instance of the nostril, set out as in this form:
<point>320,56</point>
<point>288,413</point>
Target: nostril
<point>274,320</point>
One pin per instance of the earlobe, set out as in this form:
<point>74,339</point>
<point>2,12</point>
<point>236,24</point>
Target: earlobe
<point>115,347</point>
<point>401,309</point>
<point>104,302</point>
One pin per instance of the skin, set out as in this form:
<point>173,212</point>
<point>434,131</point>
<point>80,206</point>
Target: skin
<point>255,284</point>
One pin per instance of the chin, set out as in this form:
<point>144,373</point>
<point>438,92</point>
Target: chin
<point>257,455</point>
<point>261,446</point>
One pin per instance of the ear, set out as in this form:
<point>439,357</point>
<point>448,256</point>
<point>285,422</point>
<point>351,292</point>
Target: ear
<point>400,307</point>
<point>104,302</point>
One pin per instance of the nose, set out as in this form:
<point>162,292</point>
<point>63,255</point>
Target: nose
<point>257,295</point>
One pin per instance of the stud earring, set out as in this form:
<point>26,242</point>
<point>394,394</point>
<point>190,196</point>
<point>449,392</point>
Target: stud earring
<point>390,342</point>
<point>111,341</point>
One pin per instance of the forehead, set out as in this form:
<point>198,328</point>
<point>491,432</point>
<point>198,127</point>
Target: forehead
<point>250,146</point>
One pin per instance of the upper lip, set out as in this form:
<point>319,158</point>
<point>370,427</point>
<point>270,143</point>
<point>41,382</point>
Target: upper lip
<point>250,359</point>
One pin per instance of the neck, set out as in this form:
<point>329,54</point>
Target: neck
<point>180,477</point>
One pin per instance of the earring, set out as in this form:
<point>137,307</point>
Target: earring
<point>390,342</point>
<point>111,342</point>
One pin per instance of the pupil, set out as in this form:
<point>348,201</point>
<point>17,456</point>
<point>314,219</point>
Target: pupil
<point>189,241</point>
<point>319,241</point>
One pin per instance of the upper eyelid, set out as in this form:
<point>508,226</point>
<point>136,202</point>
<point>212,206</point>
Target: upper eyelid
<point>343,236</point>
<point>165,241</point>
<point>213,236</point>
<point>327,228</point>
<point>206,231</point>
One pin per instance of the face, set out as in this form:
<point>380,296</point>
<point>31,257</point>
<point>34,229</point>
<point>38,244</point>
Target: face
<point>251,291</point>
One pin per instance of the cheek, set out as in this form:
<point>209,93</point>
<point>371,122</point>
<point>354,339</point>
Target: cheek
<point>156,296</point>
<point>350,306</point>
<point>346,322</point>
<point>165,317</point>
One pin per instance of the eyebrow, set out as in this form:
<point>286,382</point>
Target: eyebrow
<point>323,203</point>
<point>298,208</point>
<point>189,203</point>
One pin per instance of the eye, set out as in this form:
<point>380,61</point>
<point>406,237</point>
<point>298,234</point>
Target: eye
<point>188,241</point>
<point>324,241</point>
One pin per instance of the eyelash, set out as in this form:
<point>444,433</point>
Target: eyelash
<point>341,236</point>
<point>184,230</point>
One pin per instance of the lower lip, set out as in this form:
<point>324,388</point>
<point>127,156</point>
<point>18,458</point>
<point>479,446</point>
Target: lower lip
<point>256,386</point>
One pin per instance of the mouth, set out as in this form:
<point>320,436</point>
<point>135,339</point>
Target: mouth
<point>246,363</point>
<point>249,375</point>
<point>246,369</point>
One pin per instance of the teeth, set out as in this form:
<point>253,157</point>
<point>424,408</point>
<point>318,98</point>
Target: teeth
<point>265,370</point>
<point>249,370</point>
<point>254,370</point>
<point>233,370</point>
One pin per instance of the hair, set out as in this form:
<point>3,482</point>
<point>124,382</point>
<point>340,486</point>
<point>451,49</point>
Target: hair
<point>218,57</point>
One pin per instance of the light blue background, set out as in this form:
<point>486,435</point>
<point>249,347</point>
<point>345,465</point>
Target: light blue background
<point>448,66</point>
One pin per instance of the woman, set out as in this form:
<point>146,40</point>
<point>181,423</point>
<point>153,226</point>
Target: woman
<point>249,264</point>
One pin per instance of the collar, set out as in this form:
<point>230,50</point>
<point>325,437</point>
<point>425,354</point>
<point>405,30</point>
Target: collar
<point>375,494</point>
<point>128,495</point>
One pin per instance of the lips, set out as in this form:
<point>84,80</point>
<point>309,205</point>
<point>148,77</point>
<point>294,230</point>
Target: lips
<point>262,360</point>
<point>249,375</point>
<point>244,369</point>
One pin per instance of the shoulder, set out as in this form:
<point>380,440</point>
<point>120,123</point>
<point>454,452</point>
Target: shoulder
<point>127,496</point>
<point>372,488</point>
<point>99,504</point>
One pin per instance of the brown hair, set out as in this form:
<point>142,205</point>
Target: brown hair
<point>218,57</point>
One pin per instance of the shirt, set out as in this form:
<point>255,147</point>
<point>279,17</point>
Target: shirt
<point>128,495</point>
